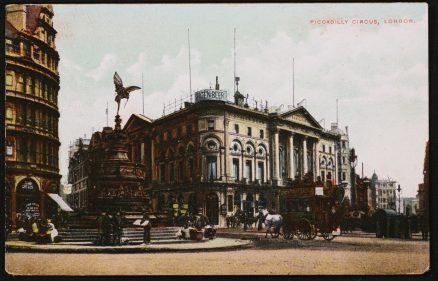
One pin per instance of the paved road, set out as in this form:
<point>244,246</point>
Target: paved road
<point>344,255</point>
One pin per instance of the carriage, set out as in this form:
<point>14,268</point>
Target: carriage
<point>309,211</point>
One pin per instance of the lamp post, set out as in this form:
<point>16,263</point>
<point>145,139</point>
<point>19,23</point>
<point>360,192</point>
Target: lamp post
<point>353,163</point>
<point>399,191</point>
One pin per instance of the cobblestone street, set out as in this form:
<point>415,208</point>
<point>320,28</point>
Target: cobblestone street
<point>344,255</point>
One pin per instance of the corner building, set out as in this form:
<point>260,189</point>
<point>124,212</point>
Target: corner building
<point>220,155</point>
<point>31,111</point>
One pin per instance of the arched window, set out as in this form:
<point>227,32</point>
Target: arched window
<point>236,147</point>
<point>261,151</point>
<point>249,150</point>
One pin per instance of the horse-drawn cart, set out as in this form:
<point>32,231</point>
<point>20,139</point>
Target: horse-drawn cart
<point>309,211</point>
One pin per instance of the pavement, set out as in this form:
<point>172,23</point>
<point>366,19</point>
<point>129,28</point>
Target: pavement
<point>227,239</point>
<point>190,246</point>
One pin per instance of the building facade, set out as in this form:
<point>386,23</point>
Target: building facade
<point>386,194</point>
<point>31,111</point>
<point>78,167</point>
<point>220,156</point>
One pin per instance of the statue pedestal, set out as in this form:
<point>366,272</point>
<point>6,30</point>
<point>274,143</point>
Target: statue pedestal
<point>118,121</point>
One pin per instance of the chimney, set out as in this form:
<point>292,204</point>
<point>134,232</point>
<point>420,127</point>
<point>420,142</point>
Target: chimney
<point>217,84</point>
<point>16,15</point>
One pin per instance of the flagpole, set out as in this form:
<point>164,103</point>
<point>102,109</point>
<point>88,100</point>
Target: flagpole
<point>234,79</point>
<point>293,82</point>
<point>190,66</point>
<point>106,114</point>
<point>142,91</point>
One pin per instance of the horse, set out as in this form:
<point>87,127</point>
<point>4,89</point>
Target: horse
<point>275,221</point>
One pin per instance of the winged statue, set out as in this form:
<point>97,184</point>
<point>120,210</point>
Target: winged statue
<point>122,92</point>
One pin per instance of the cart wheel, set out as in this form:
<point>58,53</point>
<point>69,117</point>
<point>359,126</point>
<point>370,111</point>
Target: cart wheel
<point>328,236</point>
<point>304,231</point>
<point>288,235</point>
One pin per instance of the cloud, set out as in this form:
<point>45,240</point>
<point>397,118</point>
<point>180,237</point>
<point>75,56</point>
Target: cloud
<point>107,63</point>
<point>379,73</point>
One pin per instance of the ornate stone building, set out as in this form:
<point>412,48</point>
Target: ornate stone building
<point>78,174</point>
<point>386,194</point>
<point>31,111</point>
<point>220,155</point>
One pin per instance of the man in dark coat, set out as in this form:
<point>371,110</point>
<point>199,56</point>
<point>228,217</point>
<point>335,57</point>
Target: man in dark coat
<point>117,228</point>
<point>106,228</point>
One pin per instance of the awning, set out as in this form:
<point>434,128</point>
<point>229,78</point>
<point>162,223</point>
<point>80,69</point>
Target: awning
<point>64,206</point>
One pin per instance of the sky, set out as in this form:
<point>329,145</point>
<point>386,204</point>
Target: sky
<point>378,71</point>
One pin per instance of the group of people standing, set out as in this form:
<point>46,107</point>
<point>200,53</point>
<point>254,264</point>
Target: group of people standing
<point>37,230</point>
<point>110,229</point>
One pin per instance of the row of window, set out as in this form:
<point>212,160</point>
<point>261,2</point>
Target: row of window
<point>211,127</point>
<point>28,84</point>
<point>33,151</point>
<point>29,116</point>
<point>171,173</point>
<point>389,192</point>
<point>34,52</point>
<point>175,133</point>
<point>249,131</point>
<point>184,170</point>
<point>329,149</point>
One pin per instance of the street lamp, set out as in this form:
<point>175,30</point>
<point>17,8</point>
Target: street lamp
<point>353,163</point>
<point>399,191</point>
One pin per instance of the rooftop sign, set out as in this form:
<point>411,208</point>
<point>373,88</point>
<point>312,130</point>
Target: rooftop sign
<point>210,94</point>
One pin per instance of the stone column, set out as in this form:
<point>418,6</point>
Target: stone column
<point>316,160</point>
<point>275,156</point>
<point>291,156</point>
<point>222,163</point>
<point>154,169</point>
<point>305,168</point>
<point>227,164</point>
<point>204,176</point>
<point>254,169</point>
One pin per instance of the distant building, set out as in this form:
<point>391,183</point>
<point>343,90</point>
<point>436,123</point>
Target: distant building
<point>31,111</point>
<point>78,172</point>
<point>386,194</point>
<point>343,158</point>
<point>408,205</point>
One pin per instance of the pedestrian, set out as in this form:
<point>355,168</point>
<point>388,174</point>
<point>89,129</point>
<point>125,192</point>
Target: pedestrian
<point>99,240</point>
<point>52,231</point>
<point>145,223</point>
<point>118,228</point>
<point>107,229</point>
<point>260,218</point>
